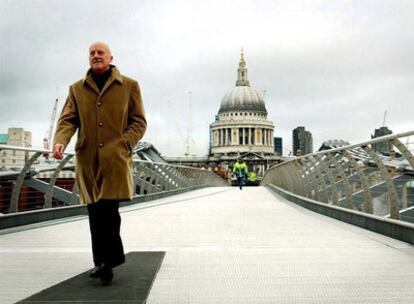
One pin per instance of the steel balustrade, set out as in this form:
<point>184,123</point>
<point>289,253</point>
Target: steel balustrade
<point>353,176</point>
<point>321,181</point>
<point>149,177</point>
<point>341,174</point>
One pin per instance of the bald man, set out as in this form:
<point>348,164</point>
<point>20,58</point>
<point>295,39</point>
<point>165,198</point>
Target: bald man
<point>106,109</point>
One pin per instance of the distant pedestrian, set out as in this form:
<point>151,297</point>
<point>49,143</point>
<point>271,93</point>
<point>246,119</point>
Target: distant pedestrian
<point>241,171</point>
<point>106,109</point>
<point>252,177</point>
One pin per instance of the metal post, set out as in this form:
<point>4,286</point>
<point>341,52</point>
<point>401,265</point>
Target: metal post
<point>404,196</point>
<point>52,182</point>
<point>75,197</point>
<point>404,151</point>
<point>17,185</point>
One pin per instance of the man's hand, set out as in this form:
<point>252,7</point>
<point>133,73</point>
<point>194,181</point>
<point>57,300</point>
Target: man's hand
<point>58,151</point>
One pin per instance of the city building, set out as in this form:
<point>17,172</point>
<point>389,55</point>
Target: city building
<point>302,141</point>
<point>15,137</point>
<point>278,144</point>
<point>382,147</point>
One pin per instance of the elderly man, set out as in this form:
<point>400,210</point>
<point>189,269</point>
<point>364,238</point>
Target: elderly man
<point>106,109</point>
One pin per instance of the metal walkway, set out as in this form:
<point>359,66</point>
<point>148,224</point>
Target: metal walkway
<point>223,245</point>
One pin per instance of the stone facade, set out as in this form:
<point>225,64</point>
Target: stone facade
<point>15,137</point>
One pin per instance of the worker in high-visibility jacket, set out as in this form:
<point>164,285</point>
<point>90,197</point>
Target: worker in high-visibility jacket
<point>241,171</point>
<point>252,177</point>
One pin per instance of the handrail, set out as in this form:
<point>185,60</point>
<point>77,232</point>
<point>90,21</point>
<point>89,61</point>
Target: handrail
<point>26,149</point>
<point>25,179</point>
<point>353,176</point>
<point>370,142</point>
<point>44,151</point>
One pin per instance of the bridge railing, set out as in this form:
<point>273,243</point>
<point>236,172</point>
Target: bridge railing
<point>355,177</point>
<point>30,179</point>
<point>153,177</point>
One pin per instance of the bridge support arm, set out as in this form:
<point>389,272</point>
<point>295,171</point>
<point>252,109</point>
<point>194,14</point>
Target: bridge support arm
<point>367,206</point>
<point>52,182</point>
<point>17,185</point>
<point>393,197</point>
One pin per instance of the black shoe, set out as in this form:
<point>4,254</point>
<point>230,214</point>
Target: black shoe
<point>96,272</point>
<point>106,274</point>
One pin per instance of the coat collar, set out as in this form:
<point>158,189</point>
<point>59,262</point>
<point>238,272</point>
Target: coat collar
<point>115,75</point>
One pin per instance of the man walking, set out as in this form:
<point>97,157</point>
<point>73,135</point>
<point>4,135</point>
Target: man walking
<point>240,170</point>
<point>106,108</point>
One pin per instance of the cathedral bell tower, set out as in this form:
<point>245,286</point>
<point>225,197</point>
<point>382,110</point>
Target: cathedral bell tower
<point>242,72</point>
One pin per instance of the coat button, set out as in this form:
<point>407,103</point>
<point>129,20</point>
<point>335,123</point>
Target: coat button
<point>101,145</point>
<point>100,124</point>
<point>99,104</point>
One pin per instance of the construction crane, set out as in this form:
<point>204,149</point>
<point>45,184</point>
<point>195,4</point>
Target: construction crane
<point>385,117</point>
<point>48,136</point>
<point>188,139</point>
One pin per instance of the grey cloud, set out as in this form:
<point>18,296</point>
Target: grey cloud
<point>338,85</point>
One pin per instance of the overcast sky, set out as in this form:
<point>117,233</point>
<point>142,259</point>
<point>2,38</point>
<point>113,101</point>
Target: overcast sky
<point>331,66</point>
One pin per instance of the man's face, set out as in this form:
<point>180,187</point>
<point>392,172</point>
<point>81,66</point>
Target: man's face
<point>99,57</point>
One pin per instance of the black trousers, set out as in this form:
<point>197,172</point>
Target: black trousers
<point>105,224</point>
<point>240,181</point>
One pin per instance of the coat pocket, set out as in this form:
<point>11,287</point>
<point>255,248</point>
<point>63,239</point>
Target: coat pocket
<point>80,143</point>
<point>126,145</point>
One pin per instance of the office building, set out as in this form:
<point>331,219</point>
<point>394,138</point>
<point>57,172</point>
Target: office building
<point>302,141</point>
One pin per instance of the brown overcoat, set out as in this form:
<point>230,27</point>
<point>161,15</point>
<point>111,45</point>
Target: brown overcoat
<point>109,123</point>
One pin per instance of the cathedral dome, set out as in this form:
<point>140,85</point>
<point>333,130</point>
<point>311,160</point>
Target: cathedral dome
<point>241,126</point>
<point>242,98</point>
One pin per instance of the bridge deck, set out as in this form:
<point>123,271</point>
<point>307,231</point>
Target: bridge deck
<point>223,245</point>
